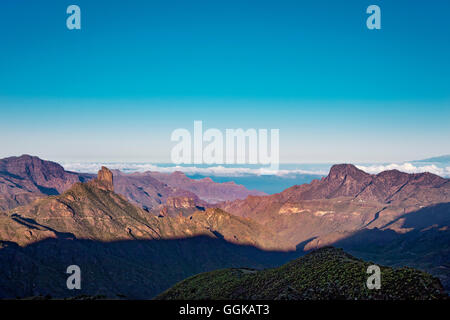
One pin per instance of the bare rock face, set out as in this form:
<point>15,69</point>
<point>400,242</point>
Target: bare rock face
<point>206,189</point>
<point>105,179</point>
<point>145,191</point>
<point>181,202</point>
<point>336,208</point>
<point>86,211</point>
<point>182,206</point>
<point>26,178</point>
<point>345,201</point>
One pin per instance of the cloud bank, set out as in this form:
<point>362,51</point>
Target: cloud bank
<point>407,167</point>
<point>220,171</point>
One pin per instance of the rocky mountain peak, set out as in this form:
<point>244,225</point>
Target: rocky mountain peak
<point>30,166</point>
<point>339,171</point>
<point>25,178</point>
<point>105,179</point>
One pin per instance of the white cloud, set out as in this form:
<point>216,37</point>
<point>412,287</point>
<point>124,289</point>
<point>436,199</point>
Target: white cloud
<point>221,171</point>
<point>406,167</point>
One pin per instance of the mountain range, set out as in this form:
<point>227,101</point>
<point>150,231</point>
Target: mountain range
<point>443,159</point>
<point>26,178</point>
<point>392,217</point>
<point>154,229</point>
<point>345,201</point>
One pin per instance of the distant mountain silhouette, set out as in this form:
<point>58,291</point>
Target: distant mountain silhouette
<point>444,159</point>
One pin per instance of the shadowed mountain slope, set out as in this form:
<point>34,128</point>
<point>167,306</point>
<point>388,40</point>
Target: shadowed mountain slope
<point>418,239</point>
<point>119,245</point>
<point>392,218</point>
<point>327,273</point>
<point>345,201</point>
<point>135,269</point>
<point>92,210</point>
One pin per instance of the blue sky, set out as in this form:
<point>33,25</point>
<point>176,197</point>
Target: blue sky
<point>137,70</point>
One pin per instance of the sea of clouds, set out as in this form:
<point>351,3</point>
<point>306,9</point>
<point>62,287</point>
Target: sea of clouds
<point>408,167</point>
<point>287,171</point>
<point>221,171</point>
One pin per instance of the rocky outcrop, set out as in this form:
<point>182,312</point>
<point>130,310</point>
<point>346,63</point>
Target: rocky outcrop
<point>94,211</point>
<point>109,238</point>
<point>26,178</point>
<point>105,179</point>
<point>345,201</point>
<point>181,206</point>
<point>149,193</point>
<point>396,209</point>
<point>206,189</point>
<point>345,180</point>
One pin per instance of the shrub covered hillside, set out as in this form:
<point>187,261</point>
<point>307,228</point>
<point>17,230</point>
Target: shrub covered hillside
<point>327,273</point>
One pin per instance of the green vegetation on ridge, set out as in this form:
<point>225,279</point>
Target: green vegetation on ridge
<point>327,273</point>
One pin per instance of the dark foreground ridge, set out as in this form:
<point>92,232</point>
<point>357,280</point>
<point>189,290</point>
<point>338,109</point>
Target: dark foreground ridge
<point>327,273</point>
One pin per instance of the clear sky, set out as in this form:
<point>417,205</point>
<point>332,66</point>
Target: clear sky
<point>137,70</point>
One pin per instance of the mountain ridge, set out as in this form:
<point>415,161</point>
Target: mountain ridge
<point>346,207</point>
<point>26,178</point>
<point>345,202</point>
<point>324,274</point>
<point>92,210</point>
<point>119,245</point>
<point>443,158</point>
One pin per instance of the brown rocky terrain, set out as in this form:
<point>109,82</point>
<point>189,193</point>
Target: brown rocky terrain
<point>393,218</point>
<point>155,196</point>
<point>206,189</point>
<point>119,245</point>
<point>24,179</point>
<point>175,194</point>
<point>345,201</point>
<point>92,210</point>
